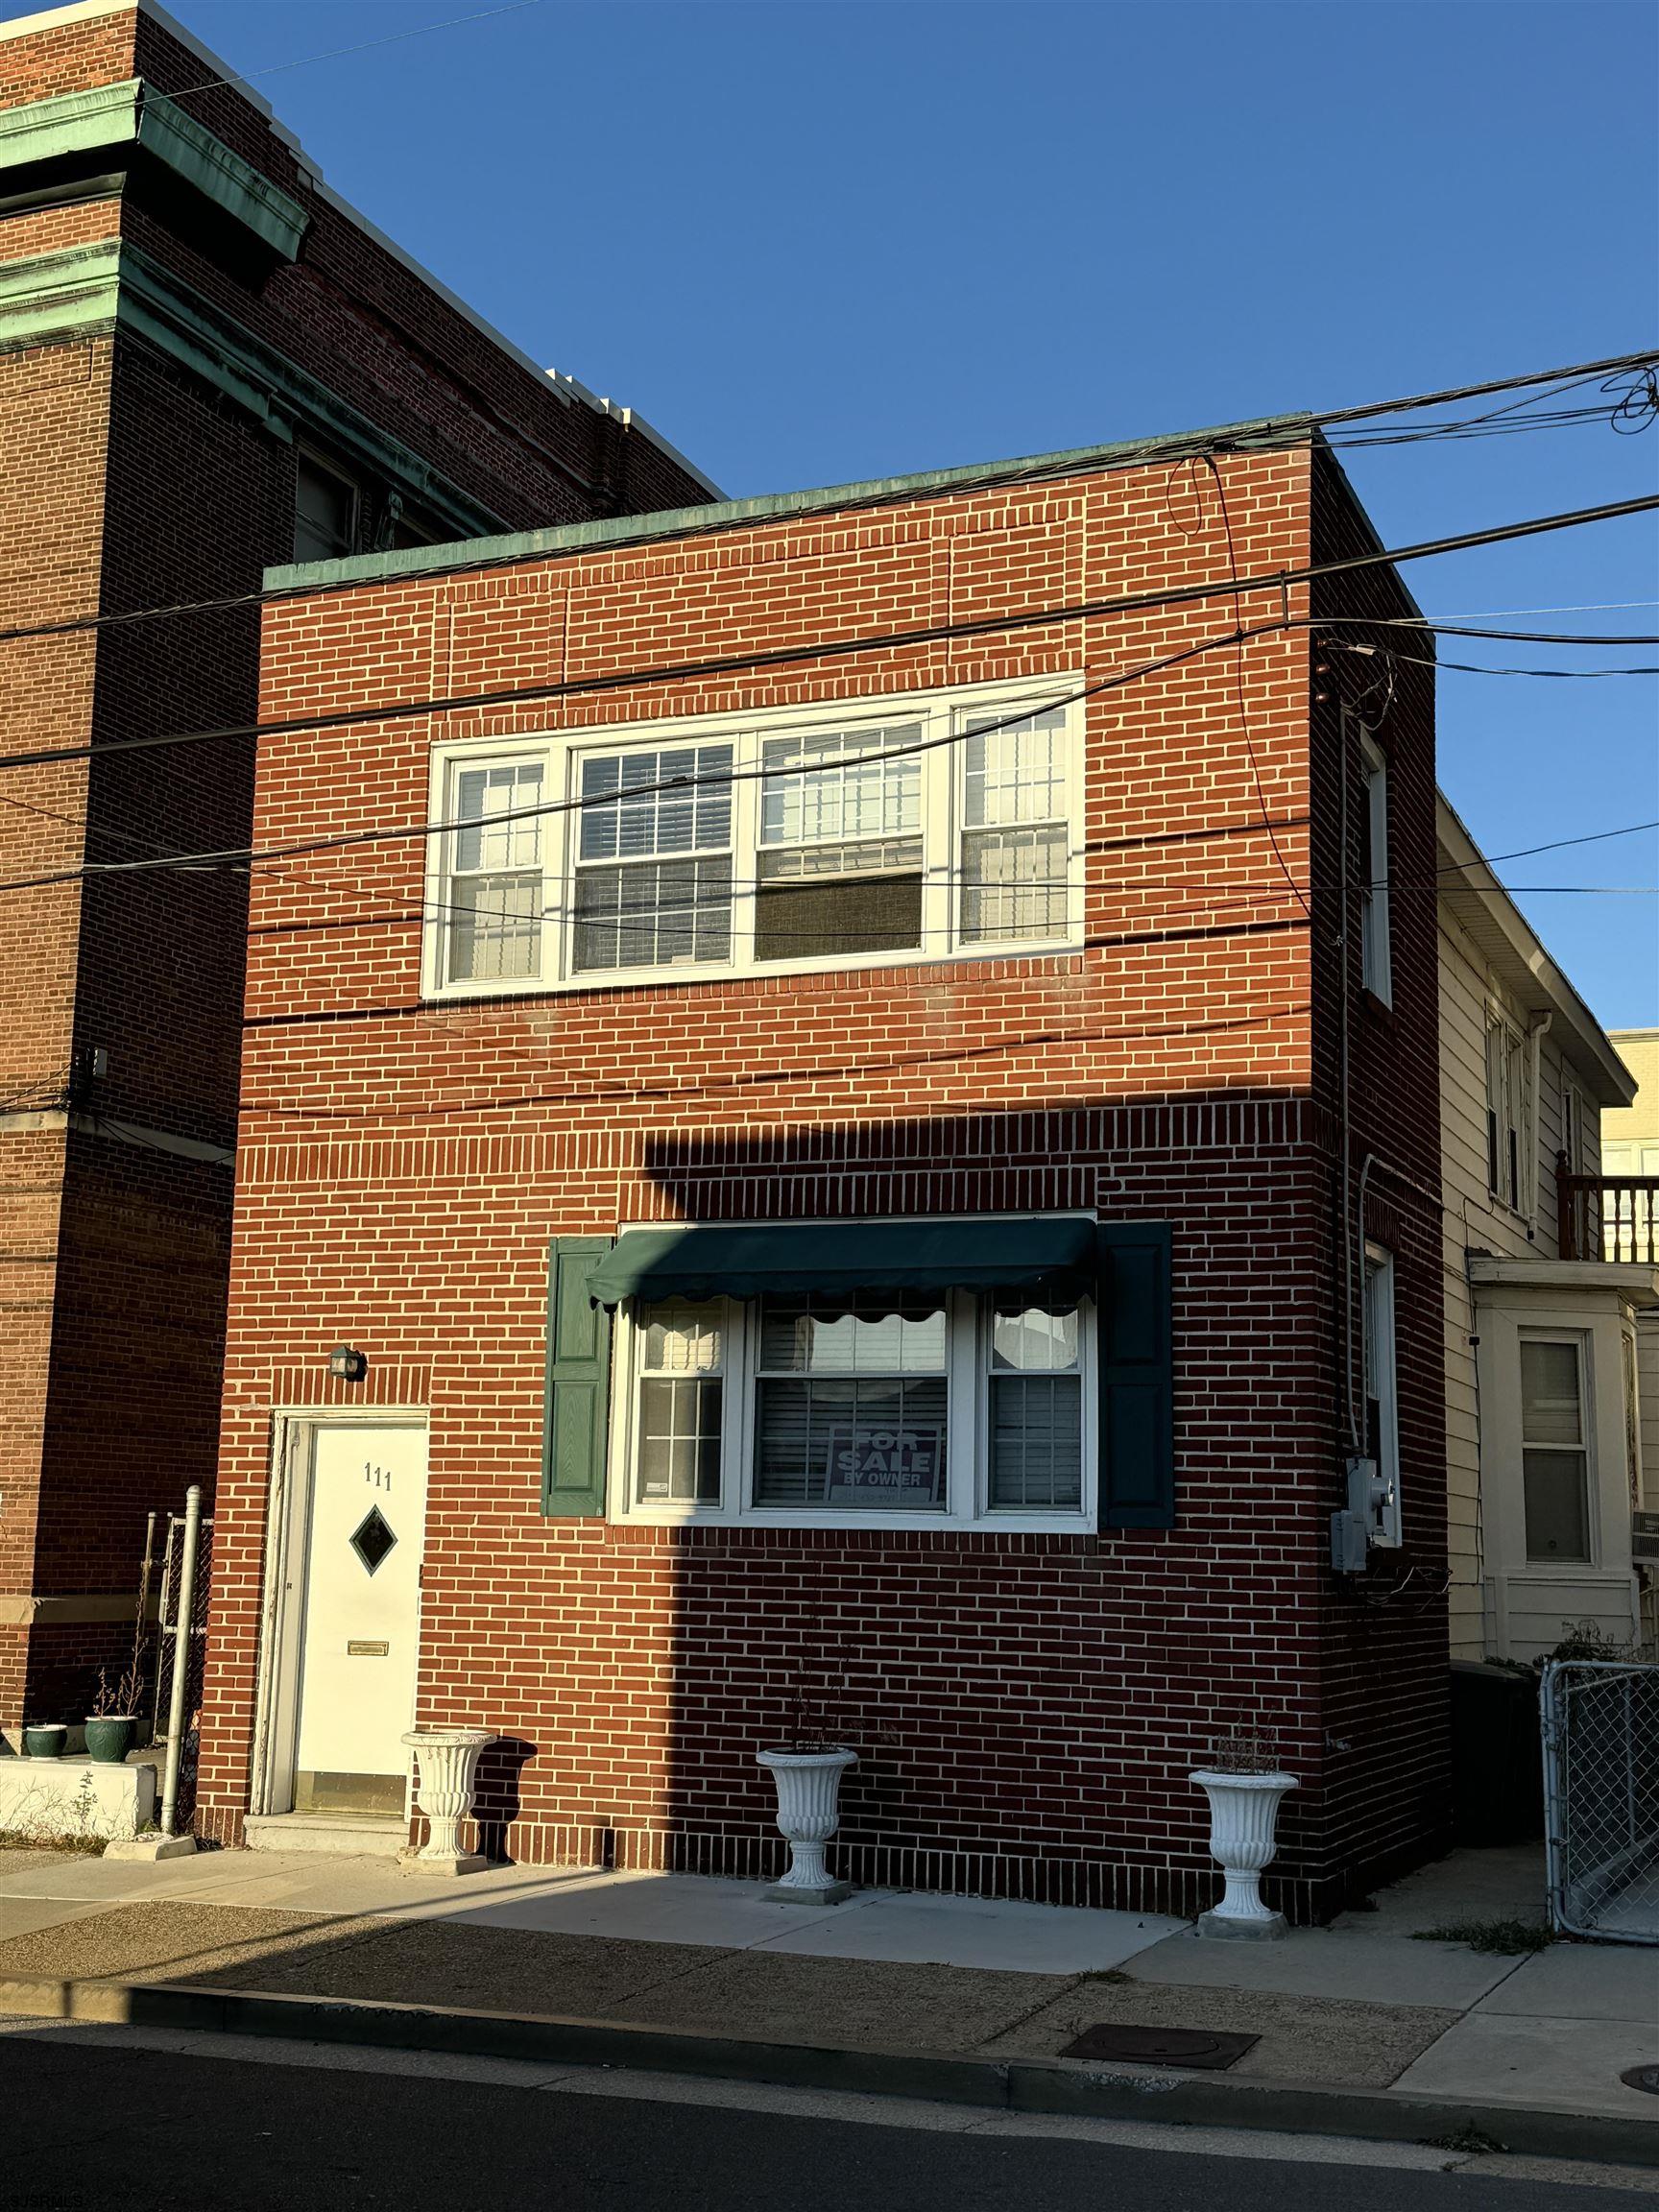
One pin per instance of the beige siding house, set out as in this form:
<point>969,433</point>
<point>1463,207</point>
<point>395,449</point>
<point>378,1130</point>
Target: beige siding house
<point>1544,1455</point>
<point>1630,1149</point>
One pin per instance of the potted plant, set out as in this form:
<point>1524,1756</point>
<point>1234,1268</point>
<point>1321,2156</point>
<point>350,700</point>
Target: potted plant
<point>113,1721</point>
<point>1245,1785</point>
<point>807,1769</point>
<point>44,1739</point>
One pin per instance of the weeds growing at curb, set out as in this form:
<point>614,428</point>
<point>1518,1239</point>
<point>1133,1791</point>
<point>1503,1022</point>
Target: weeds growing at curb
<point>1502,1938</point>
<point>36,1839</point>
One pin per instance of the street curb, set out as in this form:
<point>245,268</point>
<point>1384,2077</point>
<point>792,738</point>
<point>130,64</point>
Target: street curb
<point>1010,2086</point>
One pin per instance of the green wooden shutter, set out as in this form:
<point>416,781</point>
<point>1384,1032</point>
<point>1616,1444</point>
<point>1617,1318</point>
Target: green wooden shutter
<point>577,1420</point>
<point>1136,1377</point>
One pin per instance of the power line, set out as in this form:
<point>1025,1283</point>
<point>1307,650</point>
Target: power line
<point>1277,579</point>
<point>1484,669</point>
<point>1136,455</point>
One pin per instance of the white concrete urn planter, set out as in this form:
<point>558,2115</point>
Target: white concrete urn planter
<point>447,1763</point>
<point>808,1788</point>
<point>1243,1816</point>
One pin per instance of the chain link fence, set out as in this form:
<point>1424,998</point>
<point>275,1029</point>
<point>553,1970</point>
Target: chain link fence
<point>1601,1796</point>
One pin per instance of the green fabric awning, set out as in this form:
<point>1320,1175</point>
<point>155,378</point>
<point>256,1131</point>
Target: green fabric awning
<point>1050,1255</point>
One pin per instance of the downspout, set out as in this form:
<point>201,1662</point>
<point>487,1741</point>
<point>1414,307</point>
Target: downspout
<point>1535,1031</point>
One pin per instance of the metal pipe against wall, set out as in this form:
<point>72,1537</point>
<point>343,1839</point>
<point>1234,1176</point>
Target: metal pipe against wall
<point>182,1630</point>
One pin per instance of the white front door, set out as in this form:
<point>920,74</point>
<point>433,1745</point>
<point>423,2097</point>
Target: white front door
<point>362,1615</point>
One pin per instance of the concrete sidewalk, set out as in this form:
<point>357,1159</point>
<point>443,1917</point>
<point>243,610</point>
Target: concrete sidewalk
<point>1360,2006</point>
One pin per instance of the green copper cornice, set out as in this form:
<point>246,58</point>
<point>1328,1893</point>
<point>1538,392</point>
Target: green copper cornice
<point>111,287</point>
<point>112,122</point>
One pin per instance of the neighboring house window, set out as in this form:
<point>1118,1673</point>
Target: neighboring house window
<point>1374,873</point>
<point>1572,1139</point>
<point>792,840</point>
<point>811,1409</point>
<point>325,510</point>
<point>1507,1078</point>
<point>1382,1415</point>
<point>493,895</point>
<point>1554,1454</point>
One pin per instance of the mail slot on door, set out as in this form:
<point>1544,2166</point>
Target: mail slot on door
<point>368,1650</point>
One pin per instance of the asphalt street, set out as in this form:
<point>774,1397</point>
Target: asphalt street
<point>137,2129</point>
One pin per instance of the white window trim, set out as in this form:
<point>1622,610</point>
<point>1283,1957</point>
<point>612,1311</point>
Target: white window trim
<point>1376,969</point>
<point>1380,1282</point>
<point>1582,1341</point>
<point>967,1462</point>
<point>943,712</point>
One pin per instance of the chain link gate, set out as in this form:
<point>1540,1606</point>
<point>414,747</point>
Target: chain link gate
<point>1600,1726</point>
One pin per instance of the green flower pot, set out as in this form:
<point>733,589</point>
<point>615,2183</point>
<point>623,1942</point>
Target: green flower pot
<point>108,1741</point>
<point>45,1741</point>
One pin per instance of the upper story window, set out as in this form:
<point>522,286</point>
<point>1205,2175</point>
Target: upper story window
<point>1507,1110</point>
<point>787,841</point>
<point>1373,947</point>
<point>326,510</point>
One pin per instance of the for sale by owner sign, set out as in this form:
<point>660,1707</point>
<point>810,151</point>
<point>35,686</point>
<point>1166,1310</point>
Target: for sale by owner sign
<point>901,1470</point>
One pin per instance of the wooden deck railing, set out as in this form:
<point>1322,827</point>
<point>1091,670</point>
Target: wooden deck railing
<point>1608,1217</point>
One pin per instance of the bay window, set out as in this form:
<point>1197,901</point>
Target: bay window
<point>795,838</point>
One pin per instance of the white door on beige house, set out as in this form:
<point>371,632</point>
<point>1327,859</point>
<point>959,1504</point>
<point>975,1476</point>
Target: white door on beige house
<point>361,1617</point>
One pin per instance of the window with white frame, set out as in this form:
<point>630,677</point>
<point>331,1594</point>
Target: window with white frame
<point>1507,1110</point>
<point>1373,947</point>
<point>1015,829</point>
<point>493,905</point>
<point>1555,1449</point>
<point>931,1406</point>
<point>840,843</point>
<point>796,839</point>
<point>1381,1404</point>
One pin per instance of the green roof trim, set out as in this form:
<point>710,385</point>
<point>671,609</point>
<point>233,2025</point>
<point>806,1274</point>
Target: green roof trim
<point>112,121</point>
<point>681,521</point>
<point>110,286</point>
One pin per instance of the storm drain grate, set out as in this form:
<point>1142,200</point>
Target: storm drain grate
<point>1207,2047</point>
<point>1641,2077</point>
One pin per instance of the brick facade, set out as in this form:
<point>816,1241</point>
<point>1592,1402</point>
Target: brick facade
<point>1026,1706</point>
<point>138,470</point>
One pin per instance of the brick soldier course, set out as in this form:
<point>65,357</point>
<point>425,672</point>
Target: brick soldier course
<point>1027,1704</point>
<point>187,316</point>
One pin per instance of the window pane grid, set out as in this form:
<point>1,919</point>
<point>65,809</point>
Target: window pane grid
<point>1015,843</point>
<point>1555,1463</point>
<point>495,890</point>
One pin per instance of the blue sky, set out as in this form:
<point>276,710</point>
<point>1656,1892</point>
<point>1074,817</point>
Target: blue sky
<point>822,242</point>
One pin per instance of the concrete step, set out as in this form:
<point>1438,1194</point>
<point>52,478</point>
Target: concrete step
<point>345,1834</point>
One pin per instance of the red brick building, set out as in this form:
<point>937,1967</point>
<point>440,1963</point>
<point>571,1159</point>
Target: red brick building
<point>831,1062</point>
<point>208,364</point>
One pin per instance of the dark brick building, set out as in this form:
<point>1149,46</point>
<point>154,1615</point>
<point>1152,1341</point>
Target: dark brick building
<point>208,364</point>
<point>861,1163</point>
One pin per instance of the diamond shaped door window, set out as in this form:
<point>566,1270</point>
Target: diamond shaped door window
<point>373,1538</point>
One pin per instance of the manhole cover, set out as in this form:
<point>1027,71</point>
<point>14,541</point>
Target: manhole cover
<point>1641,2077</point>
<point>1207,2047</point>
